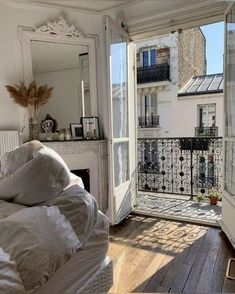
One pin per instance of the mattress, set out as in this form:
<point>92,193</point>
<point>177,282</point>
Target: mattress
<point>82,265</point>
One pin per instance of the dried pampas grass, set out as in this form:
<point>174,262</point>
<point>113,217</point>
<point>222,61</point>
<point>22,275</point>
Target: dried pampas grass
<point>24,96</point>
<point>32,97</point>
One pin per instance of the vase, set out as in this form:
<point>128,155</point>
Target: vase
<point>33,129</point>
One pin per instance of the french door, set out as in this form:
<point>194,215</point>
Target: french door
<point>228,207</point>
<point>122,126</point>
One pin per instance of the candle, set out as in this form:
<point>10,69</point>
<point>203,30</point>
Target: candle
<point>87,129</point>
<point>94,128</point>
<point>83,100</point>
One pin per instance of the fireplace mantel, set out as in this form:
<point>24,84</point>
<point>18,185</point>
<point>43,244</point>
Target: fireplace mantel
<point>90,155</point>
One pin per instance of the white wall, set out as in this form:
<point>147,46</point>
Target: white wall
<point>11,71</point>
<point>9,115</point>
<point>185,113</point>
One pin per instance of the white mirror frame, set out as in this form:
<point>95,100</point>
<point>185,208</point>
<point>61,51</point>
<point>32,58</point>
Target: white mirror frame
<point>59,32</point>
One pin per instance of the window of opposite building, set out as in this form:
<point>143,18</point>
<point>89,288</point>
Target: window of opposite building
<point>149,57</point>
<point>206,115</point>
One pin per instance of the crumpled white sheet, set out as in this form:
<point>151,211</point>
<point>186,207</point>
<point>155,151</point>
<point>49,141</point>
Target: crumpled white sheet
<point>49,217</point>
<point>39,240</point>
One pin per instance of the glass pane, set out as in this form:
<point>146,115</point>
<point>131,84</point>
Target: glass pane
<point>205,84</point>
<point>145,58</point>
<point>230,74</point>
<point>216,83</point>
<point>195,85</point>
<point>148,105</point>
<point>119,85</point>
<point>121,163</point>
<point>153,57</point>
<point>229,179</point>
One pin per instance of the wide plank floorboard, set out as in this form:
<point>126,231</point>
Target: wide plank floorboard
<point>160,256</point>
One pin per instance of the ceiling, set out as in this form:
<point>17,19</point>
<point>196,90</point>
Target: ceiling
<point>102,6</point>
<point>92,6</point>
<point>146,18</point>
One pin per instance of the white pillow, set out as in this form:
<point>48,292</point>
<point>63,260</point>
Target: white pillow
<point>17,157</point>
<point>39,240</point>
<point>38,180</point>
<point>10,280</point>
<point>73,179</point>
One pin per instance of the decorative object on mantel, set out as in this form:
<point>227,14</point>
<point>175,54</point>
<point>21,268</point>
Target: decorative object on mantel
<point>67,135</point>
<point>59,28</point>
<point>48,126</point>
<point>61,135</point>
<point>31,97</point>
<point>90,127</point>
<point>76,131</point>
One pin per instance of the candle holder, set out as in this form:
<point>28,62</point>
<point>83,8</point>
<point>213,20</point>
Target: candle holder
<point>90,127</point>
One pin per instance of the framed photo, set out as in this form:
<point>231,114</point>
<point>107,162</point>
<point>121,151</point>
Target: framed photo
<point>90,127</point>
<point>76,131</point>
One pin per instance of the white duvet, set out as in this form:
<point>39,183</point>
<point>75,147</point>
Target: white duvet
<point>40,230</point>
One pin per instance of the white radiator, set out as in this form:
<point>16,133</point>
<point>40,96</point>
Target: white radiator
<point>8,141</point>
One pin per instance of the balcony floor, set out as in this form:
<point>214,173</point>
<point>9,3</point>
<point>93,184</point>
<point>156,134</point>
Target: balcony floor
<point>177,207</point>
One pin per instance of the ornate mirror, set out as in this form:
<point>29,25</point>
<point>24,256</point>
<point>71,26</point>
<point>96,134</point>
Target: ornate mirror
<point>60,56</point>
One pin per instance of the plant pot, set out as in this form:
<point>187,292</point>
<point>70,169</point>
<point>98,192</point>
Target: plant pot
<point>213,201</point>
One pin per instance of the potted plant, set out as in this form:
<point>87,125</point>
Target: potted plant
<point>200,198</point>
<point>214,196</point>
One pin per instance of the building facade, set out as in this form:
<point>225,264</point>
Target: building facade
<point>165,66</point>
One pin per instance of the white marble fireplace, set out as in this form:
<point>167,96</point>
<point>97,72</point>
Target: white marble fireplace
<point>90,155</point>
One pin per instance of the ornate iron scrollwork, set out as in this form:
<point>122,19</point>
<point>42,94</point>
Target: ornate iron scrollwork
<point>183,166</point>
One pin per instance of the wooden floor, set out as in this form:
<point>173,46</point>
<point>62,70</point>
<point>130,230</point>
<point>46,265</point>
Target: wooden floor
<point>160,256</point>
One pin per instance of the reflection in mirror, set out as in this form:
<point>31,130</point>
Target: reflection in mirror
<point>65,68</point>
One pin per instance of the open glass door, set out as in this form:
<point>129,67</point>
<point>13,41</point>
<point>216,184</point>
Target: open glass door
<point>228,207</point>
<point>122,129</point>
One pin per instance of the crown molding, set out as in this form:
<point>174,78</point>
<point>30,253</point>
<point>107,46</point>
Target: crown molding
<point>28,4</point>
<point>193,15</point>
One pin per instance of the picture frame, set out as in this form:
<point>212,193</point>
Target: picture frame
<point>76,131</point>
<point>90,127</point>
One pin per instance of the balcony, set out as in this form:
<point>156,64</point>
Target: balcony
<point>206,131</point>
<point>166,166</point>
<point>153,73</point>
<point>149,121</point>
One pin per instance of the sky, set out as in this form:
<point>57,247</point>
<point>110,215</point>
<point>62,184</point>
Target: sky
<point>214,34</point>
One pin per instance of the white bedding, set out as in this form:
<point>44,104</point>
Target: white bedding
<point>74,273</point>
<point>51,235</point>
<point>39,240</point>
<point>45,248</point>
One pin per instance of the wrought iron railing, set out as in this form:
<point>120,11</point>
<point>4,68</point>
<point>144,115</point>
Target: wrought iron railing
<point>183,166</point>
<point>153,73</point>
<point>149,121</point>
<point>206,131</point>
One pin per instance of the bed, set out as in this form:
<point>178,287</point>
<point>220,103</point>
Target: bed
<point>53,237</point>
